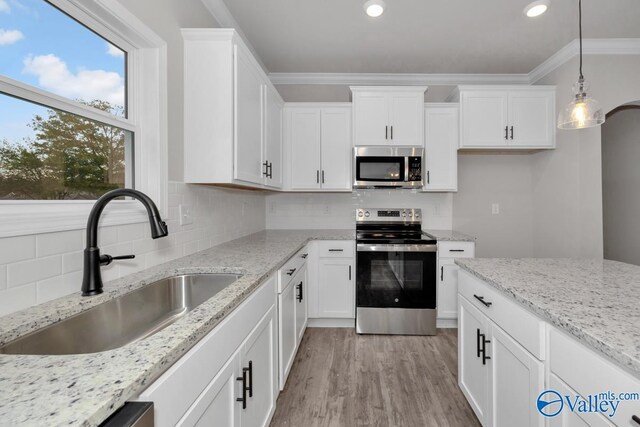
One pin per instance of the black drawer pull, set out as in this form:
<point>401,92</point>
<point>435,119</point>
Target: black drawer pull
<point>478,335</point>
<point>291,271</point>
<point>250,370</point>
<point>484,349</point>
<point>336,250</point>
<point>635,418</point>
<point>456,250</point>
<point>442,274</point>
<point>304,256</point>
<point>481,299</point>
<point>299,287</point>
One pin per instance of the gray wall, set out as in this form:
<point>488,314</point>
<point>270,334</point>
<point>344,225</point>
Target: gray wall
<point>503,179</point>
<point>621,185</point>
<point>165,18</point>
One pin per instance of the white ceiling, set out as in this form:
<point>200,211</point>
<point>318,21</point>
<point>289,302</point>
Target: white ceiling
<point>422,36</point>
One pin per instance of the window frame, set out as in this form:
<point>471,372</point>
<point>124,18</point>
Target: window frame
<point>146,83</point>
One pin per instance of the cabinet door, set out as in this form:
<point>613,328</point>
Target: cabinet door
<point>473,375</point>
<point>516,381</point>
<point>217,404</point>
<point>532,119</point>
<point>336,288</point>
<point>483,119</point>
<point>441,149</point>
<point>287,332</point>
<point>303,128</point>
<point>406,119</point>
<point>259,352</point>
<point>248,120</point>
<point>371,118</point>
<point>336,148</point>
<point>567,418</point>
<point>301,303</point>
<point>447,289</point>
<point>273,135</point>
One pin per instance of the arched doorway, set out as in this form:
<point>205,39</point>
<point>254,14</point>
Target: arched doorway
<point>621,184</point>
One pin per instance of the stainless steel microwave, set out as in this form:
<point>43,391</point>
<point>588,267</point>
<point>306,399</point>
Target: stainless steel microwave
<point>387,167</point>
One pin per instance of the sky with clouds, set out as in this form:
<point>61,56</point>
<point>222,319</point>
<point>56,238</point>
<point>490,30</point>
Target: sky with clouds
<point>45,48</point>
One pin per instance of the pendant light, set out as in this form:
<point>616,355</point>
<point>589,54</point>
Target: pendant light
<point>583,111</point>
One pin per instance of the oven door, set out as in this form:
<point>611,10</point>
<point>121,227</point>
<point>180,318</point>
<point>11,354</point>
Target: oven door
<point>396,276</point>
<point>380,171</point>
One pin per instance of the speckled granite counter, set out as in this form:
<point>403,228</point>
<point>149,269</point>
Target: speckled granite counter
<point>450,236</point>
<point>83,390</point>
<point>596,301</point>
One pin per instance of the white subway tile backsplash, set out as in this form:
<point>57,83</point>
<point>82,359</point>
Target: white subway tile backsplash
<point>24,272</point>
<point>14,299</point>
<point>57,243</point>
<point>37,268</point>
<point>14,249</point>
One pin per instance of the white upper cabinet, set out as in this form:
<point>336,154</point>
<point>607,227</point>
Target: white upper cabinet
<point>507,117</point>
<point>388,115</point>
<point>441,147</point>
<point>317,138</point>
<point>232,113</point>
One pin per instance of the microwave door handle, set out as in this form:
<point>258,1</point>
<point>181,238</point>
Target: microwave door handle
<point>406,169</point>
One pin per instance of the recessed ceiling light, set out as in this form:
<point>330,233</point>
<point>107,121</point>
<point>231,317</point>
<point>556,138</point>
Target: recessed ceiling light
<point>374,8</point>
<point>536,8</point>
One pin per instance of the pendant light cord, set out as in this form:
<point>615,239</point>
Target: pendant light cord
<point>580,30</point>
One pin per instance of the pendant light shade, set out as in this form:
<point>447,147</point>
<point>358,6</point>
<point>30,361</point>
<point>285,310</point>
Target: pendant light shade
<point>582,111</point>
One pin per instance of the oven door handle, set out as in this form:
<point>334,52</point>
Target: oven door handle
<point>361,247</point>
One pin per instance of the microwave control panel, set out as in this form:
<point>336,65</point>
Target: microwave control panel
<point>415,169</point>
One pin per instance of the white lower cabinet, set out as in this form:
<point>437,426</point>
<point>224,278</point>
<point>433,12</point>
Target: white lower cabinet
<point>203,387</point>
<point>287,332</point>
<point>574,419</point>
<point>300,285</point>
<point>447,289</point>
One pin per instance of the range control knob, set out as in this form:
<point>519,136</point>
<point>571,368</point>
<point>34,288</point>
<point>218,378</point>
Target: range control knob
<point>410,214</point>
<point>367,214</point>
<point>404,214</point>
<point>360,214</point>
<point>417,215</point>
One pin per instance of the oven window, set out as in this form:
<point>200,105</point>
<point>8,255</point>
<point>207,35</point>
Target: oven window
<point>380,169</point>
<point>396,279</point>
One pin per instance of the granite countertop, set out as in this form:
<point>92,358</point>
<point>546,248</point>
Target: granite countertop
<point>83,390</point>
<point>596,301</point>
<point>450,236</point>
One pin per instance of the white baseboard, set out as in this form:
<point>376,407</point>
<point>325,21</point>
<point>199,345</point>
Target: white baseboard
<point>331,323</point>
<point>447,323</point>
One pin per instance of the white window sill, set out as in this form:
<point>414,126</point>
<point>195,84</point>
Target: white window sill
<point>35,217</point>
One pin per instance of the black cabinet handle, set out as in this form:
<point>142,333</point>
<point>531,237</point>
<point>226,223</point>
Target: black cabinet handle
<point>304,256</point>
<point>635,418</point>
<point>456,250</point>
<point>250,370</point>
<point>506,132</point>
<point>270,170</point>
<point>392,132</point>
<point>266,168</point>
<point>299,297</point>
<point>349,272</point>
<point>481,299</point>
<point>511,132</point>
<point>484,349</point>
<point>323,176</point>
<point>428,178</point>
<point>386,132</point>
<point>290,272</point>
<point>478,335</point>
<point>442,274</point>
<point>336,250</point>
<point>243,399</point>
<point>317,177</point>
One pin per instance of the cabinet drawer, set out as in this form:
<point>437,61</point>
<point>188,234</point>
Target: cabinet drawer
<point>588,373</point>
<point>456,249</point>
<point>291,267</point>
<point>335,249</point>
<point>524,327</point>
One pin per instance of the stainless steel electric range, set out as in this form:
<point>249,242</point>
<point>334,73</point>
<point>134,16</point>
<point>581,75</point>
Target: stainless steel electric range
<point>396,274</point>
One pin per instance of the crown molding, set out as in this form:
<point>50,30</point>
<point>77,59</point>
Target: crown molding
<point>359,79</point>
<point>225,19</point>
<point>589,47</point>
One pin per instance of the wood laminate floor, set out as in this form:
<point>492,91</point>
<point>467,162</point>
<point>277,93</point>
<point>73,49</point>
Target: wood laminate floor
<point>341,379</point>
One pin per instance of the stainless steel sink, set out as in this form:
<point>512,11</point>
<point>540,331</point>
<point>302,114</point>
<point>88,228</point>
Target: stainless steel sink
<point>125,319</point>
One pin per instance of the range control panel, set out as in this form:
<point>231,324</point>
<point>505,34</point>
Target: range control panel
<point>388,215</point>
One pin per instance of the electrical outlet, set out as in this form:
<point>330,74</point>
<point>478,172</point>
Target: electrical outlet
<point>186,215</point>
<point>495,209</point>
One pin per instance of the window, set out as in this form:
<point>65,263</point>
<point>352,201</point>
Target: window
<point>82,112</point>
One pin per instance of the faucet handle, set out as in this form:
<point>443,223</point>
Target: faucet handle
<point>108,259</point>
